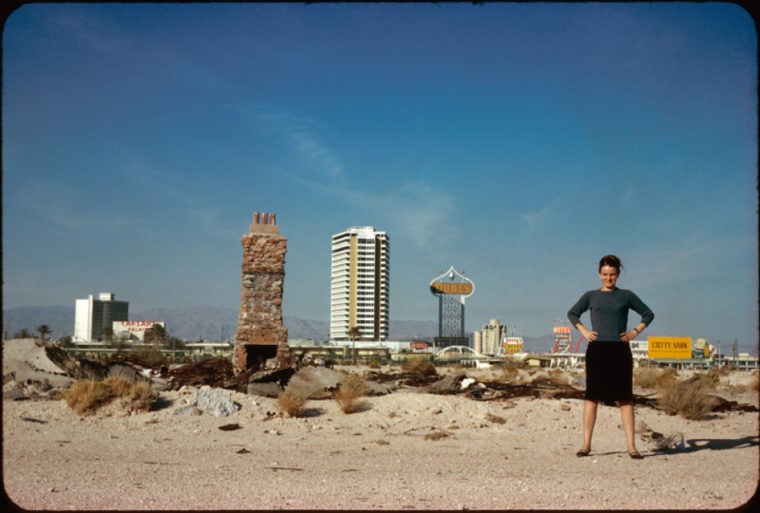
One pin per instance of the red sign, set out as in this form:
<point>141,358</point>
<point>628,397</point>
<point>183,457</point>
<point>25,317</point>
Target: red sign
<point>135,325</point>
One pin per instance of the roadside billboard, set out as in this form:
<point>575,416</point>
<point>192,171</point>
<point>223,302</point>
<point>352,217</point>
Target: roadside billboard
<point>419,344</point>
<point>512,345</point>
<point>678,348</point>
<point>134,329</point>
<point>452,283</point>
<point>455,288</point>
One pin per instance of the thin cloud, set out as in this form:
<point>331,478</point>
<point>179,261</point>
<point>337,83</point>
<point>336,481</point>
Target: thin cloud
<point>415,212</point>
<point>537,218</point>
<point>168,188</point>
<point>418,212</point>
<point>301,134</point>
<point>63,206</point>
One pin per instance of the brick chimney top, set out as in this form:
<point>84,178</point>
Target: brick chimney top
<point>264,223</point>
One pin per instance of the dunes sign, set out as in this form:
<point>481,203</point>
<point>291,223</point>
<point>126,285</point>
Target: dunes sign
<point>452,283</point>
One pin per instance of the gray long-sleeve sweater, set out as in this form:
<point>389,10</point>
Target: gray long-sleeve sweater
<point>609,312</point>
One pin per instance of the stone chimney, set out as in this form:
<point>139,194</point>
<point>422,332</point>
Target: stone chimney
<point>261,335</point>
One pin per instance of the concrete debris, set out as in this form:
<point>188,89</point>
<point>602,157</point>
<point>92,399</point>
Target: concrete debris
<point>661,442</point>
<point>314,382</point>
<point>264,389</point>
<point>28,390</point>
<point>209,400</point>
<point>448,384</point>
<point>466,382</point>
<point>308,359</point>
<point>372,388</point>
<point>215,402</point>
<point>127,371</point>
<point>278,376</point>
<point>311,382</point>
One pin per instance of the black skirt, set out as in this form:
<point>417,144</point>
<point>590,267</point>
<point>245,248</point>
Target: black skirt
<point>609,371</point>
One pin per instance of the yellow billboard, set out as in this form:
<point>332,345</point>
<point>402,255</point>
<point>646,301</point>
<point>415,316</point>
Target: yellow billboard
<point>669,347</point>
<point>456,288</point>
<point>512,345</point>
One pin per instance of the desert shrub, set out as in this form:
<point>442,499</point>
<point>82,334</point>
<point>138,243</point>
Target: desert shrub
<point>654,378</point>
<point>740,385</point>
<point>708,380</point>
<point>142,396</point>
<point>667,377</point>
<point>418,365</point>
<point>558,376</point>
<point>688,399</point>
<point>718,372</point>
<point>735,389</point>
<point>754,382</point>
<point>86,396</point>
<point>149,356</point>
<point>509,373</point>
<point>644,377</point>
<point>121,387</point>
<point>290,403</point>
<point>350,388</point>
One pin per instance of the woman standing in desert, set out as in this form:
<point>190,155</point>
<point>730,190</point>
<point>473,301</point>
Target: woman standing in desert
<point>609,364</point>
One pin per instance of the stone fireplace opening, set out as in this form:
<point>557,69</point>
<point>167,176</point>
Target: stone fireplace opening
<point>256,355</point>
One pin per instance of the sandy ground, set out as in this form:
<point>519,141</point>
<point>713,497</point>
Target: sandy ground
<point>405,450</point>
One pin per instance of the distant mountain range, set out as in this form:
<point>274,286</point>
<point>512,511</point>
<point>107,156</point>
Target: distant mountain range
<point>214,323</point>
<point>194,323</point>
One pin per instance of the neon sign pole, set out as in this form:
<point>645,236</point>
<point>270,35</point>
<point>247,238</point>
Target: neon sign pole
<point>450,316</point>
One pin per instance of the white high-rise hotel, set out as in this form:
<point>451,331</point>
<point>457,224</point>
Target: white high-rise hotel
<point>92,316</point>
<point>359,284</point>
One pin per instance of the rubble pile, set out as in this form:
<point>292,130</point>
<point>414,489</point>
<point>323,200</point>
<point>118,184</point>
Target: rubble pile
<point>215,372</point>
<point>76,368</point>
<point>38,370</point>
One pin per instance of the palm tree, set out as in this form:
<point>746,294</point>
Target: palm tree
<point>354,334</point>
<point>44,330</point>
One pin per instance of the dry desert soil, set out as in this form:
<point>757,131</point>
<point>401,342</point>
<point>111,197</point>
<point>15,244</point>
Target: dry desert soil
<point>405,450</point>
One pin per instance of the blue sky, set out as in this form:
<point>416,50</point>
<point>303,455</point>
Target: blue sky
<point>516,142</point>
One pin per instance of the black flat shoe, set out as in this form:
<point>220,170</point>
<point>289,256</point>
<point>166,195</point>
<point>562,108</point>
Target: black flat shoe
<point>635,455</point>
<point>583,452</point>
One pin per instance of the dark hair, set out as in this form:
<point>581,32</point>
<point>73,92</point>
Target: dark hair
<point>612,261</point>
